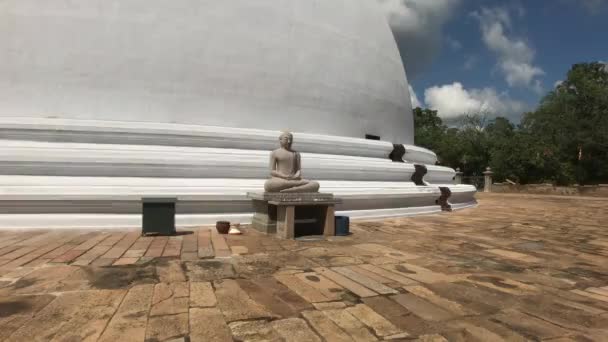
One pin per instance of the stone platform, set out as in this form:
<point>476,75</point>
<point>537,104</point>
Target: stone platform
<point>516,268</point>
<point>291,215</point>
<point>65,173</point>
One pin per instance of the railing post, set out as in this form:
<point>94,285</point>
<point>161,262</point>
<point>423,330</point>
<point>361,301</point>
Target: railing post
<point>487,184</point>
<point>458,177</point>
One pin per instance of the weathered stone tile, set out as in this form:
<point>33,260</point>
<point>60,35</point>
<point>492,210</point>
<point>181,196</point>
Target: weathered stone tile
<point>238,250</point>
<point>102,262</point>
<point>43,280</point>
<point>17,253</point>
<point>189,256</point>
<point>16,311</point>
<point>364,280</point>
<point>343,281</point>
<point>162,328</point>
<point>205,249</point>
<point>562,315</point>
<point>154,252</point>
<point>41,250</point>
<point>476,298</point>
<point>583,307</point>
<point>219,245</point>
<point>509,286</point>
<point>325,327</point>
<point>389,274</point>
<point>235,304</point>
<point>134,253</point>
<point>401,317</point>
<point>91,255</point>
<point>329,305</point>
<point>271,286</point>
<point>420,274</point>
<point>431,338</point>
<point>78,316</point>
<point>422,308</point>
<point>294,329</point>
<point>599,291</point>
<point>303,290</point>
<point>328,288</point>
<point>129,322</point>
<point>202,295</point>
<point>376,322</point>
<point>68,256</point>
<point>350,325</point>
<point>372,275</point>
<point>169,299</point>
<point>274,296</point>
<point>430,296</point>
<point>383,261</point>
<point>209,270</point>
<point>125,261</point>
<point>170,271</point>
<point>260,330</point>
<point>482,330</point>
<point>514,255</point>
<point>207,324</point>
<point>173,247</point>
<point>529,326</point>
<point>386,251</point>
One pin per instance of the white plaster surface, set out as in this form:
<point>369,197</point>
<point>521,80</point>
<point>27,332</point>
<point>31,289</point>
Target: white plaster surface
<point>103,102</point>
<point>314,66</point>
<point>78,159</point>
<point>151,133</point>
<point>108,221</point>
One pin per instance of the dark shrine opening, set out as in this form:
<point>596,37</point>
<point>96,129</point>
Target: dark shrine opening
<point>309,220</point>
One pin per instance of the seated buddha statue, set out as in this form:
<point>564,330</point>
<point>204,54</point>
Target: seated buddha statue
<point>285,170</point>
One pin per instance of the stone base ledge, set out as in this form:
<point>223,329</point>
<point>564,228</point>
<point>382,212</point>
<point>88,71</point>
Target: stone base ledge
<point>302,198</point>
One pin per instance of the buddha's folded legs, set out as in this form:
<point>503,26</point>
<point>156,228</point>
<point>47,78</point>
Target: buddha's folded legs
<point>284,185</point>
<point>310,186</point>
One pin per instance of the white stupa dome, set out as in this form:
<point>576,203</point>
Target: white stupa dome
<point>106,102</point>
<point>314,66</point>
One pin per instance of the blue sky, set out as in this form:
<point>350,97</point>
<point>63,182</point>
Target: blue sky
<point>496,56</point>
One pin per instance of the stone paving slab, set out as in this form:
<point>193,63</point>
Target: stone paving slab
<point>516,268</point>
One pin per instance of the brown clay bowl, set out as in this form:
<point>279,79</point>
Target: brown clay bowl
<point>222,227</point>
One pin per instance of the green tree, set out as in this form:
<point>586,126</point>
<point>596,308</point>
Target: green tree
<point>428,128</point>
<point>571,125</point>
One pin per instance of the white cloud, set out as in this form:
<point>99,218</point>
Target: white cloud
<point>453,100</point>
<point>414,97</point>
<point>417,26</point>
<point>515,56</point>
<point>557,83</point>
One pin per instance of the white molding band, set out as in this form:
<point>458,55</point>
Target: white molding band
<point>58,173</point>
<point>169,134</point>
<point>121,222</point>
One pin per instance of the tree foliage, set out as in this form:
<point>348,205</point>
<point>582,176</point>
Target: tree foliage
<point>564,141</point>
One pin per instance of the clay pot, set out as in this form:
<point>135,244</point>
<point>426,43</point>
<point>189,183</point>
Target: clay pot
<point>222,227</point>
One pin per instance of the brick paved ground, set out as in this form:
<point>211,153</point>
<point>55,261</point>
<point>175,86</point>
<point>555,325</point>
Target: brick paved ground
<point>516,268</point>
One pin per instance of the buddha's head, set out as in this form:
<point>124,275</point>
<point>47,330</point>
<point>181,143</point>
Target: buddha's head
<point>286,139</point>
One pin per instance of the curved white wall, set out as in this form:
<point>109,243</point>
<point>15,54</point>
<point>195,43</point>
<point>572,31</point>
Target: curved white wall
<point>313,66</point>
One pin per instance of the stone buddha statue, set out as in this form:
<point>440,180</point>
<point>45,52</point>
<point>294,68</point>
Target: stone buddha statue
<point>285,170</point>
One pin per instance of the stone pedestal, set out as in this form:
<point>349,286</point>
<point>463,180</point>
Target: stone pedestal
<point>290,215</point>
<point>487,184</point>
<point>458,176</point>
